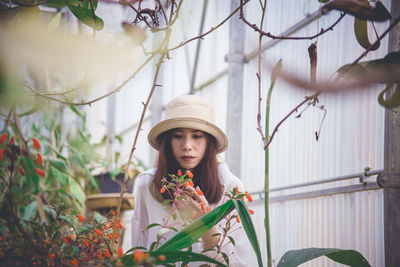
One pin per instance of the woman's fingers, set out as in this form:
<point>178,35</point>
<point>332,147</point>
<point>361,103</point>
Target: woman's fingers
<point>198,197</point>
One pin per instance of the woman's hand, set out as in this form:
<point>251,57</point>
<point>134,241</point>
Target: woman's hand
<point>193,206</point>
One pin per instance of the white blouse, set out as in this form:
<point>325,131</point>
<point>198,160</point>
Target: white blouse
<point>148,210</point>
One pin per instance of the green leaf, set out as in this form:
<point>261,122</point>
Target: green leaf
<point>194,231</point>
<point>61,177</point>
<point>48,121</point>
<point>86,16</point>
<point>152,225</point>
<point>76,189</point>
<point>56,3</point>
<point>115,172</point>
<point>86,4</point>
<point>361,32</point>
<point>30,211</point>
<point>393,100</point>
<point>249,228</point>
<point>348,257</point>
<point>59,164</point>
<point>76,111</point>
<point>119,138</point>
<point>275,71</point>
<point>323,1</point>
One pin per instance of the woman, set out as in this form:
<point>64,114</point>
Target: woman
<point>187,140</point>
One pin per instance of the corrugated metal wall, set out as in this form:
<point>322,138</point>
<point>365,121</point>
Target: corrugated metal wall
<point>351,136</point>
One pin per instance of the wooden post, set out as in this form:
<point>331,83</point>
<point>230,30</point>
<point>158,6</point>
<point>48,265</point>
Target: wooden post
<point>235,59</point>
<point>391,176</point>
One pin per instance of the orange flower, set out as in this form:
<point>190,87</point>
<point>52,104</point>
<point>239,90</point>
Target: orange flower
<point>238,219</point>
<point>249,198</point>
<point>81,218</point>
<point>203,210</point>
<point>110,236</point>
<point>113,213</point>
<point>208,209</point>
<point>3,138</point>
<point>39,172</point>
<point>99,255</point>
<point>52,256</point>
<point>162,258</point>
<point>251,211</point>
<point>107,253</point>
<point>138,256</point>
<point>39,159</point>
<point>189,183</point>
<point>120,252</point>
<point>163,189</point>
<point>1,153</point>
<point>179,173</point>
<point>120,226</point>
<point>86,243</point>
<point>67,240</point>
<point>189,174</point>
<point>73,236</point>
<point>74,262</point>
<point>199,191</point>
<point>21,171</point>
<point>237,190</point>
<point>98,232</point>
<point>36,143</point>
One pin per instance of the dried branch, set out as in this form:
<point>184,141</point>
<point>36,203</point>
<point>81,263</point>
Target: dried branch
<point>268,34</point>
<point>47,96</point>
<point>307,99</point>
<point>210,31</point>
<point>164,54</point>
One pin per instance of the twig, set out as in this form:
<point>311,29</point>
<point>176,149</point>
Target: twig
<point>164,54</point>
<point>138,14</point>
<point>96,99</point>
<point>308,98</point>
<point>163,11</point>
<point>208,32</point>
<point>268,34</point>
<point>94,18</point>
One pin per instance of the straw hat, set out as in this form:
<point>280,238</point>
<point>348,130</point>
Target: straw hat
<point>189,111</point>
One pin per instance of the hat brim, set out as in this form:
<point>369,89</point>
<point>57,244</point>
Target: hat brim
<point>192,123</point>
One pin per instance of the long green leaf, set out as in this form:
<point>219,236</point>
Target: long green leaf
<point>173,257</point>
<point>393,100</point>
<point>86,16</point>
<point>248,227</point>
<point>361,32</point>
<point>193,232</point>
<point>348,257</point>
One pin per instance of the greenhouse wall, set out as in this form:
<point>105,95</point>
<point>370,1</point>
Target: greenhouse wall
<point>350,135</point>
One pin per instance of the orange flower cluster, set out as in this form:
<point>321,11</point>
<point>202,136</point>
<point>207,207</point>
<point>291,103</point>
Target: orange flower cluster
<point>189,183</point>
<point>189,174</point>
<point>36,143</point>
<point>3,138</point>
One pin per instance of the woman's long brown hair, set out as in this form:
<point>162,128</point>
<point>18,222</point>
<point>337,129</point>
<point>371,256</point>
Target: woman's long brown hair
<point>205,174</point>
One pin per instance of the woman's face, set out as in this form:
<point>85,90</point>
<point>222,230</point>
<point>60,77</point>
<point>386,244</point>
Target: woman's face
<point>188,146</point>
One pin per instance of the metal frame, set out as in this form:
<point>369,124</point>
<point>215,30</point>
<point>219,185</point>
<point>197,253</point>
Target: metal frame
<point>364,185</point>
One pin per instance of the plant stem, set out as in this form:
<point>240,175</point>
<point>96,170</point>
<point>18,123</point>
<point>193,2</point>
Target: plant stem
<point>266,186</point>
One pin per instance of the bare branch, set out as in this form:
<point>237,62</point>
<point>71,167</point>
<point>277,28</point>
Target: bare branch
<point>210,31</point>
<point>268,34</point>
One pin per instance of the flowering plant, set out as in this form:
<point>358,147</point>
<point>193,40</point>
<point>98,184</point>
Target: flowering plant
<point>196,223</point>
